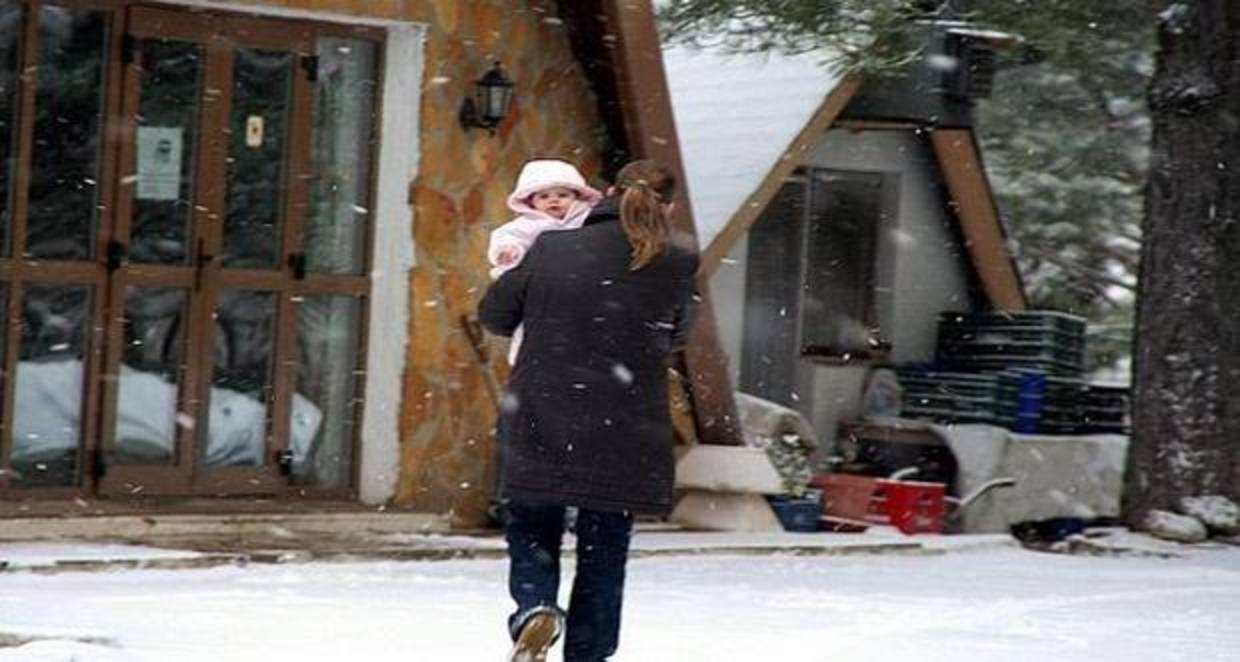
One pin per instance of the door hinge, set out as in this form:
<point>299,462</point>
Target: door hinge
<point>284,461</point>
<point>99,464</point>
<point>310,63</point>
<point>132,51</point>
<point>297,262</point>
<point>129,44</point>
<point>201,263</point>
<point>117,254</point>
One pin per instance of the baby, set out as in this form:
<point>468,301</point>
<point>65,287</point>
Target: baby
<point>550,195</point>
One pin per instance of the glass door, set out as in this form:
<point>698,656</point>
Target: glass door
<point>185,238</point>
<point>204,255</point>
<point>54,172</point>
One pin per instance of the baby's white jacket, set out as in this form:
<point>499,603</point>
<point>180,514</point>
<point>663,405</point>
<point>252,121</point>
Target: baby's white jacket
<point>520,232</point>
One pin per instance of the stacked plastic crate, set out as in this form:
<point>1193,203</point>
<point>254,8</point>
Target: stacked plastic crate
<point>955,397</point>
<point>1106,409</point>
<point>1020,370</point>
<point>1049,342</point>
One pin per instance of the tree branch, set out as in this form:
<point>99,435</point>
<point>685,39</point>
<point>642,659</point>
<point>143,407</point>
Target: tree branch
<point>1078,269</point>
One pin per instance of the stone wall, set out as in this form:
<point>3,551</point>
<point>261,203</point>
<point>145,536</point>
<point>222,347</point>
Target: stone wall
<point>447,409</point>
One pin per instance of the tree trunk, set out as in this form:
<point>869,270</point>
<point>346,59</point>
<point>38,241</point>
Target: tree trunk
<point>1186,424</point>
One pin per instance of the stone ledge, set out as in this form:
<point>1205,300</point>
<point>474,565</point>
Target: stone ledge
<point>172,527</point>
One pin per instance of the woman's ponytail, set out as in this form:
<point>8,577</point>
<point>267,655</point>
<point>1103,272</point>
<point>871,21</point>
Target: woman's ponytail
<point>645,187</point>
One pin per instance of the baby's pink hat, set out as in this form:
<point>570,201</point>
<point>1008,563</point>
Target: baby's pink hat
<point>541,174</point>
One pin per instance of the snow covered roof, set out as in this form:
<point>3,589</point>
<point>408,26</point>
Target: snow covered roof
<point>739,116</point>
<point>736,115</point>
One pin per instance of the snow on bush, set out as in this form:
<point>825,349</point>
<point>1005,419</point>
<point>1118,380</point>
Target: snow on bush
<point>784,434</point>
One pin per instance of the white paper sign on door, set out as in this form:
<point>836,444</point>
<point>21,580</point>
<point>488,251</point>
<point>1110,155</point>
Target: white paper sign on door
<point>159,162</point>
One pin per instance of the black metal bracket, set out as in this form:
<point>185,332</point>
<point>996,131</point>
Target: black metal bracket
<point>284,461</point>
<point>310,63</point>
<point>202,261</point>
<point>117,254</point>
<point>297,262</point>
<point>129,44</point>
<point>99,464</point>
<point>132,51</point>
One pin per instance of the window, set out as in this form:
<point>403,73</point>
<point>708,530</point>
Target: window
<point>838,315</point>
<point>810,278</point>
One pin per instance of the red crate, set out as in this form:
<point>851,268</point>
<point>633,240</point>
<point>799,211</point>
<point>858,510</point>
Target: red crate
<point>912,506</point>
<point>850,497</point>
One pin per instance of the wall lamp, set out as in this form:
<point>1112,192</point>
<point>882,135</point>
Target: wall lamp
<point>490,102</point>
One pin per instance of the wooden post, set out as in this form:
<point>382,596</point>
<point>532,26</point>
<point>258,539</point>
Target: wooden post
<point>637,58</point>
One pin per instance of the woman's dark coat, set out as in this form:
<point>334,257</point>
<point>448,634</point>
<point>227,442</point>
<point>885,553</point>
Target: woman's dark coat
<point>584,420</point>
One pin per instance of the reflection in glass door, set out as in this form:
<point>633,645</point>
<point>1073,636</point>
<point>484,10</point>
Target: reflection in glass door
<point>49,380</point>
<point>249,151</point>
<point>330,300</point>
<point>164,148</point>
<point>241,380</point>
<point>64,187</point>
<point>184,301</point>
<point>144,413</point>
<point>246,304</point>
<point>244,439</point>
<point>10,63</point>
<point>146,422</point>
<point>260,120</point>
<point>53,100</point>
<point>202,227</point>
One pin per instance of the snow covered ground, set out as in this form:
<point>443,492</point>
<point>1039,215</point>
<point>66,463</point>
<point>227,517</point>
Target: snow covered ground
<point>987,603</point>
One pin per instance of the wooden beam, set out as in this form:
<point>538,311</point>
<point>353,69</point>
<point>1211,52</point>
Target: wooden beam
<point>805,140</point>
<point>587,34</point>
<point>974,205</point>
<point>877,125</point>
<point>651,133</point>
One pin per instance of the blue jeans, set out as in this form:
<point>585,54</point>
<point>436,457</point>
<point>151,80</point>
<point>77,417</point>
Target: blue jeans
<point>593,619</point>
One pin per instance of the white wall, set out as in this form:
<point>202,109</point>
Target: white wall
<point>393,258</point>
<point>922,269</point>
<point>727,293</point>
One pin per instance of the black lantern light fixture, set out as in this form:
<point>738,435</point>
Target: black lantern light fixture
<point>490,102</point>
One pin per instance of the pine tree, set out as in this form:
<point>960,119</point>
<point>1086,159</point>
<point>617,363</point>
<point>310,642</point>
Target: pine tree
<point>1186,428</point>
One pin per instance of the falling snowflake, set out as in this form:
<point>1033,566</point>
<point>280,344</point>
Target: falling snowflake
<point>622,374</point>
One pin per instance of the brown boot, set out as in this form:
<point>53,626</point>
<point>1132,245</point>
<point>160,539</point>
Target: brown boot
<point>539,632</point>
